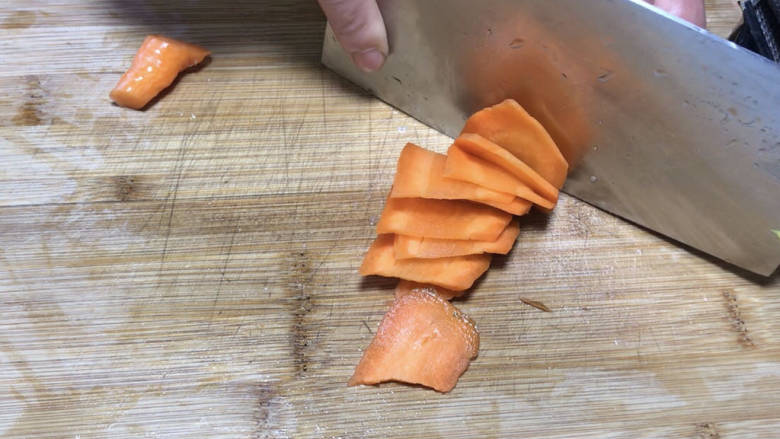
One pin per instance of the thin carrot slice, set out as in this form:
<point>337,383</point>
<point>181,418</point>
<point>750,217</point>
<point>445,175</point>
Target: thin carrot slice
<point>410,247</point>
<point>508,124</point>
<point>420,173</point>
<point>483,148</point>
<point>464,166</point>
<point>156,64</point>
<point>457,273</point>
<point>423,339</point>
<point>444,219</point>
<point>517,206</point>
<point>405,287</point>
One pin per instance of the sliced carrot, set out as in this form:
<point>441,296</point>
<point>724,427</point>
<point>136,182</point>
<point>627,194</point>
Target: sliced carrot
<point>423,339</point>
<point>457,273</point>
<point>420,173</point>
<point>507,124</point>
<point>156,64</point>
<point>464,166</point>
<point>405,287</point>
<point>409,247</point>
<point>445,219</point>
<point>483,148</point>
<point>517,206</point>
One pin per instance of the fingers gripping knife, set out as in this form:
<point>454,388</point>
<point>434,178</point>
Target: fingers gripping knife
<point>663,123</point>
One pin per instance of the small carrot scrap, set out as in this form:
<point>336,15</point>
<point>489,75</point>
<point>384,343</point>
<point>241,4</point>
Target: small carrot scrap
<point>508,124</point>
<point>444,219</point>
<point>456,273</point>
<point>155,66</point>
<point>423,339</point>
<point>405,287</point>
<point>408,247</point>
<point>464,166</point>
<point>483,148</point>
<point>420,173</point>
<point>538,305</point>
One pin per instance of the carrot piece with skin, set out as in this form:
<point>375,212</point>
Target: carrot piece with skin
<point>423,339</point>
<point>456,273</point>
<point>410,247</point>
<point>483,148</point>
<point>508,124</point>
<point>155,66</point>
<point>405,287</point>
<point>464,166</point>
<point>444,219</point>
<point>420,173</point>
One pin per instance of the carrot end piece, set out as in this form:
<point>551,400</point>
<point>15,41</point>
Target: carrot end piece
<point>423,339</point>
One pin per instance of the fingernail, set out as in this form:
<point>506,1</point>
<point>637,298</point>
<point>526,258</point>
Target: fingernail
<point>368,60</point>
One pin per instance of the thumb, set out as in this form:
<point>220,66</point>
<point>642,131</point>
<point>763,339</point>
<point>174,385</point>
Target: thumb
<point>360,30</point>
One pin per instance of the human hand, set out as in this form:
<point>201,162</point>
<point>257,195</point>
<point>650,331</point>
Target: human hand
<point>690,10</point>
<point>360,30</point>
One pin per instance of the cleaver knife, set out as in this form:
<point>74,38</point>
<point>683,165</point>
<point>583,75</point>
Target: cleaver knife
<point>663,123</point>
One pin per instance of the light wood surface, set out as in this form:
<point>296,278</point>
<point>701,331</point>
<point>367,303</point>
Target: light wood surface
<point>191,270</point>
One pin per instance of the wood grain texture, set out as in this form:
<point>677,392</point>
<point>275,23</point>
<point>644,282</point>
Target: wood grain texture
<point>191,270</point>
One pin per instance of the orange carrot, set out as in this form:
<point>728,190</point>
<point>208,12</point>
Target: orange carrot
<point>406,247</point>
<point>464,166</point>
<point>405,287</point>
<point>423,339</point>
<point>456,273</point>
<point>156,64</point>
<point>507,124</point>
<point>444,219</point>
<point>483,148</point>
<point>420,173</point>
<point>517,206</point>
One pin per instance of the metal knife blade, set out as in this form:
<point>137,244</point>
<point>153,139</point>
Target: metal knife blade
<point>663,123</point>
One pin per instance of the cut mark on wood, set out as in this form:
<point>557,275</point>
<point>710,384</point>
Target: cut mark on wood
<point>735,318</point>
<point>222,279</point>
<point>368,328</point>
<point>172,195</point>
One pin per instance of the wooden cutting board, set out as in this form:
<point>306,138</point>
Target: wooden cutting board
<point>191,270</point>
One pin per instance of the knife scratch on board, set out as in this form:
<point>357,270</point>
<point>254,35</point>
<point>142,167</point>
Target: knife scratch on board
<point>222,276</point>
<point>179,169</point>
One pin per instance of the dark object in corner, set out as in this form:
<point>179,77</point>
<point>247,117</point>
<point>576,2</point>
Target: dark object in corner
<point>760,28</point>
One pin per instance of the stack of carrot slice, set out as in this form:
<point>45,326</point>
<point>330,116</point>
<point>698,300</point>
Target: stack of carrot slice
<point>445,216</point>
